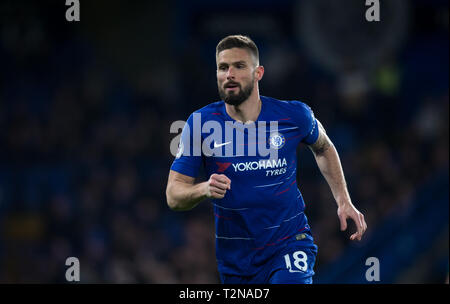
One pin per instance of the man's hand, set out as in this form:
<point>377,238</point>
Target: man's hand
<point>217,186</point>
<point>346,211</point>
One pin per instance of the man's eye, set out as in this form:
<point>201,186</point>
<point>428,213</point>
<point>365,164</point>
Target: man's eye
<point>222,68</point>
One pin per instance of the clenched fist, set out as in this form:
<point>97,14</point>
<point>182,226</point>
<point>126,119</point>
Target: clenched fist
<point>217,186</point>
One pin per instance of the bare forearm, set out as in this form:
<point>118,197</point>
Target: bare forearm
<point>182,196</point>
<point>331,168</point>
<point>329,164</point>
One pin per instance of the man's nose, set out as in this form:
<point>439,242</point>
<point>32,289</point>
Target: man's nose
<point>230,73</point>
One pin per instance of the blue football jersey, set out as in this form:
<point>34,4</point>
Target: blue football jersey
<point>264,210</point>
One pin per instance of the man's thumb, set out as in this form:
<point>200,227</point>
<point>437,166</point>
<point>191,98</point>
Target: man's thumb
<point>343,221</point>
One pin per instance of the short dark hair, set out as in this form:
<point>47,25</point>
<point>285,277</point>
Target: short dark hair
<point>238,41</point>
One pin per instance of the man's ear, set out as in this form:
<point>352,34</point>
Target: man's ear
<point>259,72</point>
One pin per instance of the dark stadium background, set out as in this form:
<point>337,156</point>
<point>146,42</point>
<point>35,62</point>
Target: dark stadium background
<point>86,107</point>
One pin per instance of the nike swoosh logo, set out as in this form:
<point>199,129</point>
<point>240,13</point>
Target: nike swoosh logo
<point>216,145</point>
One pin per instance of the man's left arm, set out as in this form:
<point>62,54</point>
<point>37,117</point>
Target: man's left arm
<point>329,164</point>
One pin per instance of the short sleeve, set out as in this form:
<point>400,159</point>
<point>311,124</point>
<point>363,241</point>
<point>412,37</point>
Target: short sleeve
<point>306,122</point>
<point>187,161</point>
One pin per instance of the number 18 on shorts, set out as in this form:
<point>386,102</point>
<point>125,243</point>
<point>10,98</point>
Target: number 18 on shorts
<point>300,261</point>
<point>294,268</point>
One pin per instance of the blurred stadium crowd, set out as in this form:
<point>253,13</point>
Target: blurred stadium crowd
<point>85,153</point>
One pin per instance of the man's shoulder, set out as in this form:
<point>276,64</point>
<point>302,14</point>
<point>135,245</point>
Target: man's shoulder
<point>212,108</point>
<point>288,105</point>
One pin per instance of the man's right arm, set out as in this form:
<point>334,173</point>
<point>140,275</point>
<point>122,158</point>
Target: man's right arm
<point>183,194</point>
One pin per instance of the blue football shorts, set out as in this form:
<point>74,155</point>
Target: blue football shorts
<point>294,265</point>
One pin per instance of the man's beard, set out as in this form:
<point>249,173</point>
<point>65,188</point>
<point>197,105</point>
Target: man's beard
<point>236,99</point>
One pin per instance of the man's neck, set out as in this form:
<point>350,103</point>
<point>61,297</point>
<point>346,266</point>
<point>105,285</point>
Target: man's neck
<point>248,111</point>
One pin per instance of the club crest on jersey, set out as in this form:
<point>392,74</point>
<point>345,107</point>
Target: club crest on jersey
<point>277,140</point>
